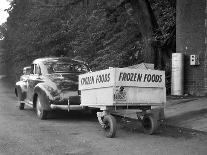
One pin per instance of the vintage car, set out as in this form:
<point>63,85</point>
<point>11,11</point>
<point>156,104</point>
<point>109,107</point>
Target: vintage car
<point>52,84</point>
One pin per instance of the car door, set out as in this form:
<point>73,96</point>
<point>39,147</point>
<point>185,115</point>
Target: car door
<point>34,78</point>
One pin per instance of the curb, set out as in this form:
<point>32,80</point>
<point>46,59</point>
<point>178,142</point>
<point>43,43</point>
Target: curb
<point>180,101</point>
<point>185,116</point>
<point>174,121</point>
<point>183,129</point>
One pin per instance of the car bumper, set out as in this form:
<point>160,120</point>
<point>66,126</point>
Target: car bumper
<point>73,103</point>
<point>66,107</point>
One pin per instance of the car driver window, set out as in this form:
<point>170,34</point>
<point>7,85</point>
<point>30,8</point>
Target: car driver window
<point>37,69</point>
<point>32,69</point>
<point>28,70</point>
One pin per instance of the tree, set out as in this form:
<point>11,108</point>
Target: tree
<point>114,33</point>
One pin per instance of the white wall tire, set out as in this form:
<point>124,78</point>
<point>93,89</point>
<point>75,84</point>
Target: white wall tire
<point>20,99</point>
<point>41,113</point>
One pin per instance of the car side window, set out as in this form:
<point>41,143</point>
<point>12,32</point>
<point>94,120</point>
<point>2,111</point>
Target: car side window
<point>28,70</point>
<point>37,69</point>
<point>32,69</point>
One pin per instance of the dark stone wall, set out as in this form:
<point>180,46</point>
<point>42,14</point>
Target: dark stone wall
<point>190,39</point>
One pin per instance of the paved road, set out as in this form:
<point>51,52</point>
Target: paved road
<point>21,133</point>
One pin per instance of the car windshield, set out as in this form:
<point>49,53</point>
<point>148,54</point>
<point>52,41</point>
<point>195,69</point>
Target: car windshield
<point>26,70</point>
<point>65,67</point>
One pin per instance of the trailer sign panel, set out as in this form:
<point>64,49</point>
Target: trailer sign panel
<point>140,78</point>
<point>122,77</point>
<point>97,79</point>
<point>137,77</point>
<point>102,78</point>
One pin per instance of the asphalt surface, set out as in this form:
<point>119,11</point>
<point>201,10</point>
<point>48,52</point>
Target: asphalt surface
<point>22,133</point>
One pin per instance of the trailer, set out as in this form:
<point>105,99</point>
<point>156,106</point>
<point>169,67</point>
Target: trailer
<point>115,89</point>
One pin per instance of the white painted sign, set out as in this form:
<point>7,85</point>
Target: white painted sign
<point>103,78</point>
<point>122,77</point>
<point>140,78</point>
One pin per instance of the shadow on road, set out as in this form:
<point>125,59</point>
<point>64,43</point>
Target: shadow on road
<point>73,116</point>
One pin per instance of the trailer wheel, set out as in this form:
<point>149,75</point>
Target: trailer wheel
<point>149,124</point>
<point>109,126</point>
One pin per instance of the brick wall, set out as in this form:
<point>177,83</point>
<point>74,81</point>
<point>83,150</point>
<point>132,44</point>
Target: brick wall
<point>190,39</point>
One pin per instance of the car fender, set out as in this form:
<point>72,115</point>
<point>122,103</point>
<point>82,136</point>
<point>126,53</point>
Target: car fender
<point>21,86</point>
<point>44,87</point>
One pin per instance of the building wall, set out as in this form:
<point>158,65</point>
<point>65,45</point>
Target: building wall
<point>191,39</point>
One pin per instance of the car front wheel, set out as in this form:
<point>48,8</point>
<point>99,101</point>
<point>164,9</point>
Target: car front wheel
<point>20,99</point>
<point>21,106</point>
<point>41,113</point>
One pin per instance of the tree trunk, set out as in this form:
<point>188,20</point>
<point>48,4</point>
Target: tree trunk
<point>146,20</point>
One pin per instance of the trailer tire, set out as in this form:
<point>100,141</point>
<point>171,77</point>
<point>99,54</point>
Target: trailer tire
<point>149,124</point>
<point>110,126</point>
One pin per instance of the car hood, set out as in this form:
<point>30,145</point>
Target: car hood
<point>65,81</point>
